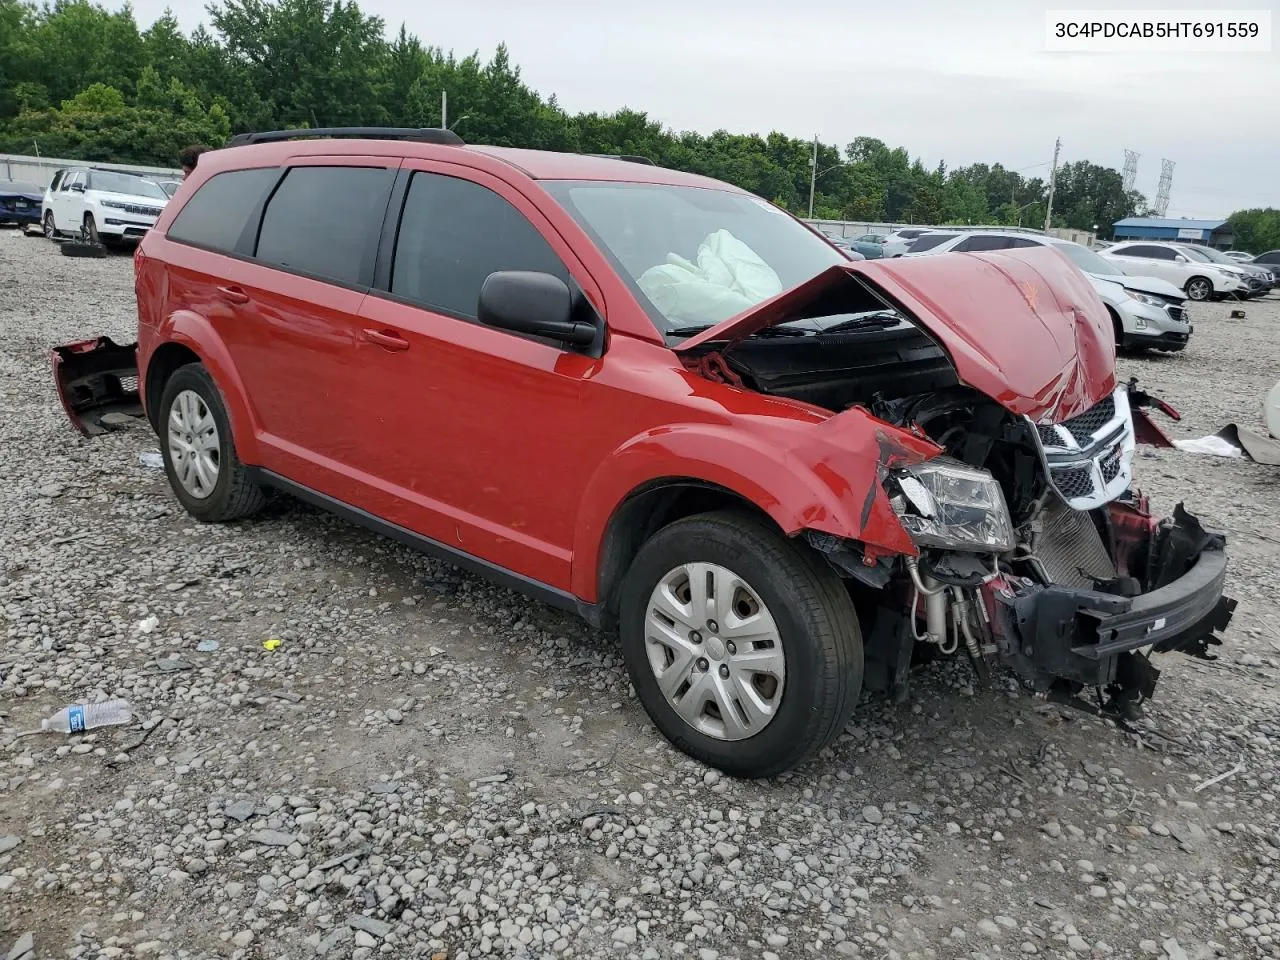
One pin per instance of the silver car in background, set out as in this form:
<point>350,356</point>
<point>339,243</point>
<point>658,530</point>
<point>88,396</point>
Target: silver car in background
<point>1148,313</point>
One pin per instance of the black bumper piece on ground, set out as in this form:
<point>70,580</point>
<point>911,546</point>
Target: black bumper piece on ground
<point>1094,638</point>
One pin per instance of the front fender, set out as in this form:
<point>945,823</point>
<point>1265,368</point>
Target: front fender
<point>805,476</point>
<point>196,333</point>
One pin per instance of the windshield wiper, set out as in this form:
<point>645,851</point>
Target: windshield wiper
<point>882,319</point>
<point>689,331</point>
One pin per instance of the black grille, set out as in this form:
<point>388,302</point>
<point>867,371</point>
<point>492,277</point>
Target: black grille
<point>1110,468</point>
<point>1177,313</point>
<point>1082,427</point>
<point>1073,482</point>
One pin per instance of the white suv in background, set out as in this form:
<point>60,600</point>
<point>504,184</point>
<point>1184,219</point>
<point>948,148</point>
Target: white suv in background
<point>1147,312</point>
<point>1200,279</point>
<point>106,205</point>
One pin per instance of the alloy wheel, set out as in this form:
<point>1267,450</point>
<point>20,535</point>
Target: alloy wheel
<point>1199,289</point>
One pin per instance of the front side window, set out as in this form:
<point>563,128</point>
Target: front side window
<point>325,221</point>
<point>453,234</point>
<point>220,210</point>
<point>694,256</point>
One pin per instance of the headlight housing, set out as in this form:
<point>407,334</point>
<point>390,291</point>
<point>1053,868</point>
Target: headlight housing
<point>945,504</point>
<point>1146,298</point>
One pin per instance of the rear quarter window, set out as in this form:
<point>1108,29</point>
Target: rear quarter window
<point>216,216</point>
<point>930,240</point>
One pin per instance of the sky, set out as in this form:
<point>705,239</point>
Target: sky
<point>937,77</point>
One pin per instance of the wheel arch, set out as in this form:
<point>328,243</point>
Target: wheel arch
<point>645,511</point>
<point>1116,323</point>
<point>185,338</point>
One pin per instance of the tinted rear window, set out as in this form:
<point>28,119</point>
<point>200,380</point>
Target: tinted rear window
<point>929,241</point>
<point>325,221</point>
<point>216,216</point>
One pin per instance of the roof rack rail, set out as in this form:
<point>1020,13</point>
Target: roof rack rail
<point>418,134</point>
<point>630,158</point>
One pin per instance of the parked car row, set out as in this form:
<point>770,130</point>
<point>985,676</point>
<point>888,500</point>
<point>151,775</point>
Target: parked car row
<point>1204,273</point>
<point>107,206</point>
<point>1199,272</point>
<point>1146,312</point>
<point>99,205</point>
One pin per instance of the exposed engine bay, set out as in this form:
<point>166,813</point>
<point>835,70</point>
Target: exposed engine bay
<point>1034,551</point>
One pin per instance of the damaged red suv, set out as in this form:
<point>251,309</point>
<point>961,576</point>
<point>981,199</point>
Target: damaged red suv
<point>665,404</point>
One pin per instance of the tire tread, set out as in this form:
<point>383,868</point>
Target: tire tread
<point>827,610</point>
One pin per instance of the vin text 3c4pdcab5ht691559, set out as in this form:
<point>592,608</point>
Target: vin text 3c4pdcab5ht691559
<point>661,402</point>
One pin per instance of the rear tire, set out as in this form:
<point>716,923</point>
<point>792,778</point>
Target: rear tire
<point>1199,289</point>
<point>199,453</point>
<point>815,629</point>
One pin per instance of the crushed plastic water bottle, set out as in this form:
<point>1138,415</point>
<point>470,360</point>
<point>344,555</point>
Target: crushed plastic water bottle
<point>80,717</point>
<point>151,458</point>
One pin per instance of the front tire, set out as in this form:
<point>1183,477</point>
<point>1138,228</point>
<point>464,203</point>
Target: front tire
<point>50,226</point>
<point>199,453</point>
<point>1199,288</point>
<point>743,647</point>
<point>90,229</point>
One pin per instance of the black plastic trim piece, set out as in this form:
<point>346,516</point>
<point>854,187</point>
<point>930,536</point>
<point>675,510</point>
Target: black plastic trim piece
<point>417,134</point>
<point>1162,616</point>
<point>536,589</point>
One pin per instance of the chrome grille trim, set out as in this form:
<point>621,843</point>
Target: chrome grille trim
<point>1089,458</point>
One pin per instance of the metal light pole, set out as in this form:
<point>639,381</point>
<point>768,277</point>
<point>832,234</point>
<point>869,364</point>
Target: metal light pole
<point>813,173</point>
<point>1053,180</point>
<point>444,110</point>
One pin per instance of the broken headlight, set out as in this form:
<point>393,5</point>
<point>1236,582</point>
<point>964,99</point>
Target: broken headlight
<point>945,504</point>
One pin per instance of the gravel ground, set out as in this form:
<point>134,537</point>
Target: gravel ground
<point>490,787</point>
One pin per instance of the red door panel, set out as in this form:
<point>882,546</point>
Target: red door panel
<point>476,433</point>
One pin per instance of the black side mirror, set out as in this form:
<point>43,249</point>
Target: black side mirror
<point>77,188</point>
<point>537,304</point>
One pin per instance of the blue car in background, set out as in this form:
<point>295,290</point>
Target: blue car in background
<point>20,202</point>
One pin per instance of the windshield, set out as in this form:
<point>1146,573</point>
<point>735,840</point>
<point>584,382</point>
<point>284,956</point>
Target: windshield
<point>109,181</point>
<point>1213,256</point>
<point>695,256</point>
<point>1195,253</point>
<point>1087,260</point>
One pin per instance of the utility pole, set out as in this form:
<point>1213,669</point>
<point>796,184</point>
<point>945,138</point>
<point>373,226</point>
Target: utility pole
<point>813,173</point>
<point>1053,179</point>
<point>444,110</point>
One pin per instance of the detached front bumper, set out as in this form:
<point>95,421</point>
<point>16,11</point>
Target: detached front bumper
<point>1099,637</point>
<point>95,379</point>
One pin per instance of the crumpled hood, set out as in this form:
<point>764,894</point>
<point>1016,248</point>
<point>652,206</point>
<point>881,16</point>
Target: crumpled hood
<point>1023,326</point>
<point>1161,288</point>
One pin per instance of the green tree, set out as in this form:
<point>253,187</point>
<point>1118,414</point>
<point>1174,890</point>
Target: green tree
<point>1256,230</point>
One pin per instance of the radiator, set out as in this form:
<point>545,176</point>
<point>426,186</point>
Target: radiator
<point>1070,547</point>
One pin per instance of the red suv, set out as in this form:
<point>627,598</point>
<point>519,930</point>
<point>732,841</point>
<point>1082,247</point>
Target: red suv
<point>665,404</point>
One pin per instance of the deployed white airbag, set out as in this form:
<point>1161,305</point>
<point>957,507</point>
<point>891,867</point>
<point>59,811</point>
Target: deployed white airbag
<point>728,278</point>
